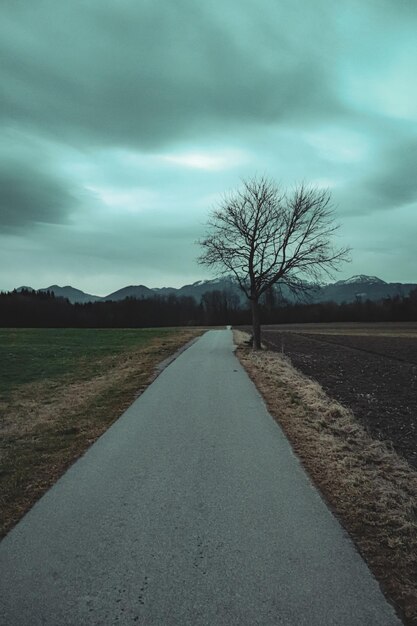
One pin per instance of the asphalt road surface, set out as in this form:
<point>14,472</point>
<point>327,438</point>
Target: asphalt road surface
<point>190,510</point>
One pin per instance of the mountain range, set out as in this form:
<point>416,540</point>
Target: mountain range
<point>362,287</point>
<point>357,287</point>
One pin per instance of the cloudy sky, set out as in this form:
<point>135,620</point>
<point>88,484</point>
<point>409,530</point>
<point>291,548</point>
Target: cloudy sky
<point>123,122</point>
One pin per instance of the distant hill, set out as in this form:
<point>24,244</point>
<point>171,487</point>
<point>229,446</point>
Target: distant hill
<point>72,294</point>
<point>359,287</point>
<point>133,291</point>
<point>198,289</point>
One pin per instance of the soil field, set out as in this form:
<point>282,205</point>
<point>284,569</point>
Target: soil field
<point>369,486</point>
<point>372,369</point>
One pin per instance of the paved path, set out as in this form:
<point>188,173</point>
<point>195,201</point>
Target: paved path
<point>190,510</point>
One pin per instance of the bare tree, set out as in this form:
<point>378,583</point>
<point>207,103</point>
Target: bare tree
<point>262,235</point>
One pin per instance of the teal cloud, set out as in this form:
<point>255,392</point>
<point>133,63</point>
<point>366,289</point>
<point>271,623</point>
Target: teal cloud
<point>109,112</point>
<point>148,73</point>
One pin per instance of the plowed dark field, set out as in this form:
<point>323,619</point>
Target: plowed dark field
<point>371,370</point>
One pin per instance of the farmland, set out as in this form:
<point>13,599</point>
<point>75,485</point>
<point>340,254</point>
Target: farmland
<point>346,397</point>
<point>370,368</point>
<point>60,389</point>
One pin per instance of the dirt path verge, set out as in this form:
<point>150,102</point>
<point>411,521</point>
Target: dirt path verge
<point>375,376</point>
<point>369,486</point>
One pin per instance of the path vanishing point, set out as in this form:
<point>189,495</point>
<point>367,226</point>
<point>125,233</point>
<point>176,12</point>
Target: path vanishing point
<point>190,510</point>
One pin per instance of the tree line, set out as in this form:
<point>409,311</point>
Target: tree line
<point>390,309</point>
<point>31,309</point>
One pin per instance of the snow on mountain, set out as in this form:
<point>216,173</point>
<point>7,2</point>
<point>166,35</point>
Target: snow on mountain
<point>201,283</point>
<point>362,279</point>
<point>361,287</point>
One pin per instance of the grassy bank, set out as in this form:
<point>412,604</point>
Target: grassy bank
<point>60,389</point>
<point>368,485</point>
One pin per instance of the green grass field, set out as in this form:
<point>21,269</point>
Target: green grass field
<point>60,389</point>
<point>29,355</point>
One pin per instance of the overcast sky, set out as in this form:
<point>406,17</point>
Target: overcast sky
<point>123,121</point>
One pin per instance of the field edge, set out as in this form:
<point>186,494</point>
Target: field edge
<point>33,460</point>
<point>369,487</point>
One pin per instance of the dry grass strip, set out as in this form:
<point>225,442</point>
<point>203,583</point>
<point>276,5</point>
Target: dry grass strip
<point>47,425</point>
<point>371,489</point>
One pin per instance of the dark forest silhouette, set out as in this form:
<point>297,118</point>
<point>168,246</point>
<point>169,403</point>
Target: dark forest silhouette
<point>42,309</point>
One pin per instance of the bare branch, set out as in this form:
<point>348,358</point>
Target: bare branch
<point>262,236</point>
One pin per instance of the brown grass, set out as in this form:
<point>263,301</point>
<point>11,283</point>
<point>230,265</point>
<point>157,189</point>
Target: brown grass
<point>371,489</point>
<point>49,424</point>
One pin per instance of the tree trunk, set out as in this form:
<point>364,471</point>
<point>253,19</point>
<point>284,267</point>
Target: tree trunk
<point>256,325</point>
